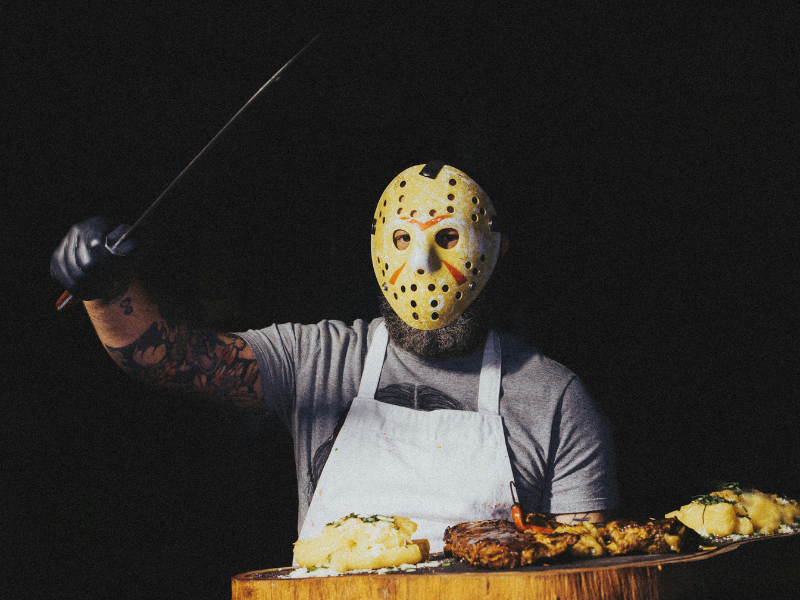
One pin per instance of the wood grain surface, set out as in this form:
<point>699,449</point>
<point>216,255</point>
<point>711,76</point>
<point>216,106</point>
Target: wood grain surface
<point>725,571</point>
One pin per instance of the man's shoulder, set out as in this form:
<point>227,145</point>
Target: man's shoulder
<point>327,332</point>
<point>519,355</point>
<point>336,333</point>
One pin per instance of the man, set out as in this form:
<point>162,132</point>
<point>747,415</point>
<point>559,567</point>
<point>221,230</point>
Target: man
<point>425,412</point>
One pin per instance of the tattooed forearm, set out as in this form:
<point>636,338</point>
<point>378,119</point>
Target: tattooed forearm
<point>191,359</point>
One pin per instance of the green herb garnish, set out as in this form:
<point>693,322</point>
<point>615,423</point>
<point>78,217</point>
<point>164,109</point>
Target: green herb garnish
<point>343,519</point>
<point>732,486</point>
<point>370,519</point>
<point>375,518</point>
<point>708,499</point>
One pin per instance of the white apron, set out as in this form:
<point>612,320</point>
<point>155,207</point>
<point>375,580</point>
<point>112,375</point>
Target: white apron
<point>438,468</point>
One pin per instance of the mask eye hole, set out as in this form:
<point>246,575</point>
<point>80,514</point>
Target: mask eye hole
<point>447,238</point>
<point>401,239</point>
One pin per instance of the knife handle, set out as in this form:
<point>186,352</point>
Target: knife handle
<point>65,300</point>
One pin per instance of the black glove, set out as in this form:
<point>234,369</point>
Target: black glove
<point>83,264</point>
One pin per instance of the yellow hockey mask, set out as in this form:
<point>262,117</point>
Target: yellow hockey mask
<point>433,246</point>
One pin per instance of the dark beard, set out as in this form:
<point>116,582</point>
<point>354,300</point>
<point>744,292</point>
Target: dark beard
<point>464,335</point>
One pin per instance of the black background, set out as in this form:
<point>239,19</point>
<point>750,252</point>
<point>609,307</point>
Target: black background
<point>644,162</point>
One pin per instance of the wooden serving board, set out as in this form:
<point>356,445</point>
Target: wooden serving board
<point>724,570</point>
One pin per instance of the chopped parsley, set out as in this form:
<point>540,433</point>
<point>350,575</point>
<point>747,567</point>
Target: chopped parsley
<point>732,486</point>
<point>370,519</point>
<point>708,499</point>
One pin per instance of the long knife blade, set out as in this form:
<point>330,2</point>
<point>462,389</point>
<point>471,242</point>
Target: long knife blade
<point>66,298</point>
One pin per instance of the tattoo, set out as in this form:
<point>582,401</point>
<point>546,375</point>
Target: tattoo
<point>124,303</point>
<point>584,517</point>
<point>184,359</point>
<point>580,518</point>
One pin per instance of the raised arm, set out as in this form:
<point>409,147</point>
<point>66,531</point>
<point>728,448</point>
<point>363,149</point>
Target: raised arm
<point>176,355</point>
<point>139,339</point>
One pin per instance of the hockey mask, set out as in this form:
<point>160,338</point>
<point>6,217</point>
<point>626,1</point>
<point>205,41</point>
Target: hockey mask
<point>433,245</point>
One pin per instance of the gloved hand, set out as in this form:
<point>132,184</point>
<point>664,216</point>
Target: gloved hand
<point>83,264</point>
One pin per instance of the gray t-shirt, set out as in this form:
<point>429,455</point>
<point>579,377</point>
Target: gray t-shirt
<point>558,439</point>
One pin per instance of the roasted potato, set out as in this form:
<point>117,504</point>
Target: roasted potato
<point>733,511</point>
<point>708,519</point>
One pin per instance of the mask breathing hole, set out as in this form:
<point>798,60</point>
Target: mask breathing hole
<point>458,295</point>
<point>416,316</point>
<point>452,182</point>
<point>445,288</point>
<point>402,184</point>
<point>474,199</point>
<point>434,303</point>
<point>468,265</point>
<point>399,210</point>
<point>421,271</point>
<point>413,304</point>
<point>434,315</point>
<point>474,217</point>
<point>432,213</point>
<point>483,258</point>
<point>431,287</point>
<point>403,289</point>
<point>414,288</point>
<point>451,197</point>
<point>450,209</point>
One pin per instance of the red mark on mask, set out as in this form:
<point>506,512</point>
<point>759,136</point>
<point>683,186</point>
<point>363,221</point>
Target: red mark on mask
<point>427,224</point>
<point>396,274</point>
<point>457,275</point>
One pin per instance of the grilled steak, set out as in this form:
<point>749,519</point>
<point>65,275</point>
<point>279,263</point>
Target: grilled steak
<point>496,544</point>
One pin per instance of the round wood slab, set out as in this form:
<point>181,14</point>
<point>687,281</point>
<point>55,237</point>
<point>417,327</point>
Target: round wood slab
<point>708,573</point>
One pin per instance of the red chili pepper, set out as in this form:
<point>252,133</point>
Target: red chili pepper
<point>516,515</point>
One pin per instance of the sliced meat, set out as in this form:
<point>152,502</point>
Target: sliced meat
<point>496,544</point>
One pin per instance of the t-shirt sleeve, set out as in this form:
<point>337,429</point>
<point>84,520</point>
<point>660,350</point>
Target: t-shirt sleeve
<point>308,368</point>
<point>275,350</point>
<point>581,473</point>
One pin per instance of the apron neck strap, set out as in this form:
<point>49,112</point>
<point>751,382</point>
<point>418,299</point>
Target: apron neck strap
<point>373,364</point>
<point>488,388</point>
<point>491,375</point>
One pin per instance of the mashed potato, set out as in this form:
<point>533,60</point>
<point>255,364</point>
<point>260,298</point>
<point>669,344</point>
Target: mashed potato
<point>356,542</point>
